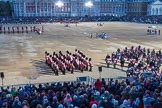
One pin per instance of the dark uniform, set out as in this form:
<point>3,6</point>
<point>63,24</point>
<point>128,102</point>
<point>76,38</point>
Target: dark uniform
<point>122,62</point>
<point>90,64</point>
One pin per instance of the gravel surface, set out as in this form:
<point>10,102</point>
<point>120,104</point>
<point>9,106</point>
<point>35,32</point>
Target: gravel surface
<point>22,55</point>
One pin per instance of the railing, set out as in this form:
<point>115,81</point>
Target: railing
<point>35,84</point>
<point>83,79</point>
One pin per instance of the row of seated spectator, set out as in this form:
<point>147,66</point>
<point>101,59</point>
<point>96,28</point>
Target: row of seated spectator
<point>138,19</point>
<point>68,62</point>
<point>143,93</point>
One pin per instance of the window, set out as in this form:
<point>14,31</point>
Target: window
<point>153,11</point>
<point>157,11</point>
<point>160,11</point>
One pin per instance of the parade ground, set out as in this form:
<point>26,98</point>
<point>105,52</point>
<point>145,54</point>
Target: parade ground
<point>22,54</point>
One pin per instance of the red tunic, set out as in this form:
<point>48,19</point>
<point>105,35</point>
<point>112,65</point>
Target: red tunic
<point>50,60</point>
<point>108,60</point>
<point>85,62</point>
<point>55,66</point>
<point>46,57</point>
<point>71,66</point>
<point>90,64</point>
<point>81,65</point>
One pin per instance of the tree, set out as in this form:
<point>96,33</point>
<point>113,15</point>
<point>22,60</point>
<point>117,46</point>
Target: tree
<point>5,8</point>
<point>9,8</point>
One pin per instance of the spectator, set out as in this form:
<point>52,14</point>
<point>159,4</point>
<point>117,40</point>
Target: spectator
<point>109,103</point>
<point>97,96</point>
<point>25,104</point>
<point>106,95</point>
<point>67,100</point>
<point>147,100</point>
<point>158,103</point>
<point>55,102</point>
<point>60,106</point>
<point>102,102</point>
<point>98,85</point>
<point>17,103</point>
<point>94,106</point>
<point>93,101</point>
<point>125,104</point>
<point>75,101</point>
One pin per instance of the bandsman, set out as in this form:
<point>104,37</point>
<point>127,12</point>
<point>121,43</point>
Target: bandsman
<point>55,68</point>
<point>81,65</point>
<point>90,64</point>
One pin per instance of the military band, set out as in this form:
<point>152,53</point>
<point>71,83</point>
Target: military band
<point>20,29</point>
<point>68,62</point>
<point>136,59</point>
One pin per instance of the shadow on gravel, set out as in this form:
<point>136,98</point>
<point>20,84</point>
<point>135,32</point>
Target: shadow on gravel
<point>41,67</point>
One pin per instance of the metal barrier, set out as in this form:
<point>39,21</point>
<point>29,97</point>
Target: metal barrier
<point>36,84</point>
<point>82,79</point>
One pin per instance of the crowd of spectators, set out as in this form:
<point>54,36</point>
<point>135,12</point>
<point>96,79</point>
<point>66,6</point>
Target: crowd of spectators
<point>138,19</point>
<point>143,19</point>
<point>142,93</point>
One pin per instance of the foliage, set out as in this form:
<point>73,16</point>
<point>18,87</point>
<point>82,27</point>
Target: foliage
<point>5,8</point>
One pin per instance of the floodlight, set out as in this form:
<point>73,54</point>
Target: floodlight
<point>59,4</point>
<point>89,4</point>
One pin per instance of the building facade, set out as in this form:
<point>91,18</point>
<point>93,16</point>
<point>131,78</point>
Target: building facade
<point>155,8</point>
<point>137,7</point>
<point>77,8</point>
<point>113,8</point>
<point>31,8</point>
